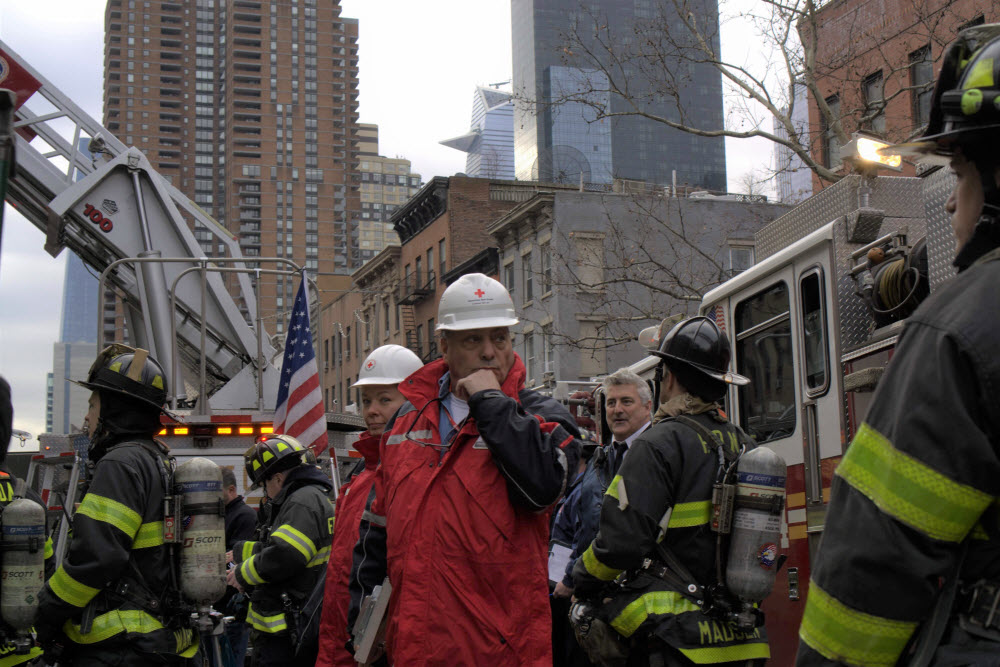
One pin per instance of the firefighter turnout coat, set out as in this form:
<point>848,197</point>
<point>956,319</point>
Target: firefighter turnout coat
<point>663,492</point>
<point>114,586</point>
<point>466,525</point>
<point>336,595</point>
<point>292,552</point>
<point>921,476</point>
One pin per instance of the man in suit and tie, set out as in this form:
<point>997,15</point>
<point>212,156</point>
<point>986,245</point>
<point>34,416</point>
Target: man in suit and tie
<point>628,404</point>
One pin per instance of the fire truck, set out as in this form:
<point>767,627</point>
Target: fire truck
<point>87,191</point>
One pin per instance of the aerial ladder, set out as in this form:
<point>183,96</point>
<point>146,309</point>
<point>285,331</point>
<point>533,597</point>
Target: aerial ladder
<point>87,191</point>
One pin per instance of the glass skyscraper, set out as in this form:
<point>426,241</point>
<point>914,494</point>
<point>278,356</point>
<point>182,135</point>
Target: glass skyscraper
<point>490,139</point>
<point>567,143</point>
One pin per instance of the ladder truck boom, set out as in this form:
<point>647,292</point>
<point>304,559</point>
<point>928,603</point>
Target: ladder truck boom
<point>107,203</point>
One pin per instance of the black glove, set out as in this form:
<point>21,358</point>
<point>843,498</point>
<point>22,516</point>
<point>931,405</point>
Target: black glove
<point>51,639</point>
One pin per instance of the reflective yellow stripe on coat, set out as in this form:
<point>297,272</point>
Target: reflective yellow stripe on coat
<point>842,634</point>
<point>132,621</point>
<point>269,624</point>
<point>70,590</point>
<point>910,491</point>
<point>106,510</point>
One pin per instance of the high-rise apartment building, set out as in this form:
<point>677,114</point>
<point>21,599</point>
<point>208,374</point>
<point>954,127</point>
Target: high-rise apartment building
<point>386,184</point>
<point>249,107</point>
<point>490,139</point>
<point>566,142</point>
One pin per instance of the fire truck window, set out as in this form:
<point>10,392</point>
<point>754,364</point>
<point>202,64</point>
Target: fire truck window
<point>814,333</point>
<point>764,354</point>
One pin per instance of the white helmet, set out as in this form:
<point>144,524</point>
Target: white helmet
<point>475,301</point>
<point>389,364</point>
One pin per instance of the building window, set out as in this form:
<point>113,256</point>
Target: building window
<point>874,98</point>
<point>548,352</point>
<point>529,355</point>
<point>441,256</point>
<point>430,267</point>
<point>508,276</point>
<point>740,258</point>
<point>347,337</point>
<point>831,144</point>
<point>546,252</point>
<point>526,276</point>
<point>922,85</point>
<point>385,316</point>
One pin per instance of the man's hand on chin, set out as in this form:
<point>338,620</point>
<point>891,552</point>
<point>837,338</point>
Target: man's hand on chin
<point>481,380</point>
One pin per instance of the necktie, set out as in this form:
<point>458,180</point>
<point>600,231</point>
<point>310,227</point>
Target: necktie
<point>619,448</point>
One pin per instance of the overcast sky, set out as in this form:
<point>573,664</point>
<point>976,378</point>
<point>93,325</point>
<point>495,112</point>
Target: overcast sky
<point>419,64</point>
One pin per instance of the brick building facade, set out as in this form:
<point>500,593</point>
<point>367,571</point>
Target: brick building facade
<point>876,61</point>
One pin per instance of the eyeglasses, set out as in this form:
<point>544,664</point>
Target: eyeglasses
<point>436,445</point>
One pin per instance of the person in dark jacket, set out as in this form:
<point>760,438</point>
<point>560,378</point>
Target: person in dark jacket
<point>628,404</point>
<point>281,569</point>
<point>10,487</point>
<point>469,469</point>
<point>662,497</point>
<point>241,522</point>
<point>111,600</point>
<point>914,500</point>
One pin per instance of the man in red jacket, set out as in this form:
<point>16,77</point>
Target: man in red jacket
<point>380,374</point>
<point>469,468</point>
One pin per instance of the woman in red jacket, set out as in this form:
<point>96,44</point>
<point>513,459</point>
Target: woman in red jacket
<point>380,374</point>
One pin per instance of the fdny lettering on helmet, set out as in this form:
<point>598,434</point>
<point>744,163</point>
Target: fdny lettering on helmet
<point>98,218</point>
<point>712,632</point>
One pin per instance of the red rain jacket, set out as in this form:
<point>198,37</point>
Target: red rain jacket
<point>336,595</point>
<point>467,561</point>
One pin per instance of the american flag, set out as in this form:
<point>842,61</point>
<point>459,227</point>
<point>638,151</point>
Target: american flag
<point>719,315</point>
<point>300,412</point>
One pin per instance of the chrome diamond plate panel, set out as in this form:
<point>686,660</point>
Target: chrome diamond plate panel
<point>940,239</point>
<point>898,197</point>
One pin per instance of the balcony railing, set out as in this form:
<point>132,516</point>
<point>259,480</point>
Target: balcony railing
<point>415,287</point>
<point>427,350</point>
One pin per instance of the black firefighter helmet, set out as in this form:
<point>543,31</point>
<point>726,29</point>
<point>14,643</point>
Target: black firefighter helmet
<point>129,372</point>
<point>697,352</point>
<point>272,455</point>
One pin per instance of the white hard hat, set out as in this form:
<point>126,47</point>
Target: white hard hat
<point>389,364</point>
<point>475,301</point>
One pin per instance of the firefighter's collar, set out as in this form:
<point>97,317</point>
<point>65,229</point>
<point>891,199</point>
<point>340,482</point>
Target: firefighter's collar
<point>684,404</point>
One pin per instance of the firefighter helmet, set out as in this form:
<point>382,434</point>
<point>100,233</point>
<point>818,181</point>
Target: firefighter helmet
<point>268,457</point>
<point>697,351</point>
<point>965,106</point>
<point>475,301</point>
<point>129,372</point>
<point>389,364</point>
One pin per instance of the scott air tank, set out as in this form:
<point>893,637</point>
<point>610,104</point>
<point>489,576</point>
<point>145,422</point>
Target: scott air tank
<point>202,570</point>
<point>23,563</point>
<point>756,527</point>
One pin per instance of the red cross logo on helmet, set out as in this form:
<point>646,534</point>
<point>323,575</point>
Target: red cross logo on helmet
<point>370,365</point>
<point>479,293</point>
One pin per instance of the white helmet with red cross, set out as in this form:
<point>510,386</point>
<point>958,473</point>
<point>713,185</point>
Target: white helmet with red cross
<point>389,364</point>
<point>475,301</point>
